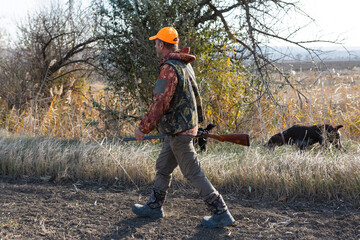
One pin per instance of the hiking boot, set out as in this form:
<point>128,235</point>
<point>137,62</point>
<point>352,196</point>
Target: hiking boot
<point>221,216</point>
<point>146,211</point>
<point>218,220</point>
<point>153,208</point>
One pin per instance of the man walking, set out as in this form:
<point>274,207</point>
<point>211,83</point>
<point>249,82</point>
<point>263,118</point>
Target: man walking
<point>177,110</point>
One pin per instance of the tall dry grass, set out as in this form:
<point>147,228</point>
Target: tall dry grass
<point>253,171</point>
<point>86,111</point>
<point>325,98</point>
<point>285,172</point>
<point>89,111</point>
<point>69,160</point>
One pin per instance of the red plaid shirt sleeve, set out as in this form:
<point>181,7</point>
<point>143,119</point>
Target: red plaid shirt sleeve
<point>161,101</point>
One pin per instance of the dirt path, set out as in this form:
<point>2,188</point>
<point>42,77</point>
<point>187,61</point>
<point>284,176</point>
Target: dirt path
<point>50,211</point>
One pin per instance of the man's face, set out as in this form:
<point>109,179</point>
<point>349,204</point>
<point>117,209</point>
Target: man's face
<point>158,46</point>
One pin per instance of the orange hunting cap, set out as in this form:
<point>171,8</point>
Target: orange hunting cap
<point>167,34</point>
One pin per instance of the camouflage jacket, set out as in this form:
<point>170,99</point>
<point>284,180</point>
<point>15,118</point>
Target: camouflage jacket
<point>166,92</point>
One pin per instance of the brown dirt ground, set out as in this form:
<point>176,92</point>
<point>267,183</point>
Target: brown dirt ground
<point>45,210</point>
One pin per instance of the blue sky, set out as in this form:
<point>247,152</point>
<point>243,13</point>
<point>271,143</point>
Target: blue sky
<point>333,18</point>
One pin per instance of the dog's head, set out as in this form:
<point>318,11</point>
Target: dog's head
<point>276,140</point>
<point>332,135</point>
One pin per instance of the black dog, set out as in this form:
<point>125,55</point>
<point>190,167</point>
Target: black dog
<point>304,136</point>
<point>201,140</point>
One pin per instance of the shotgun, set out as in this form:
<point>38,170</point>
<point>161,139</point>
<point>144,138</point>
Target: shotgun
<point>238,138</point>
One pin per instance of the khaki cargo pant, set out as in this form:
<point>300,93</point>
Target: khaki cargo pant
<point>179,150</point>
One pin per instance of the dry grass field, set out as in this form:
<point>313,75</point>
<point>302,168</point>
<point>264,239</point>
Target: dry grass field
<point>60,180</point>
<point>59,145</point>
<point>315,96</point>
<point>328,95</point>
<point>76,190</point>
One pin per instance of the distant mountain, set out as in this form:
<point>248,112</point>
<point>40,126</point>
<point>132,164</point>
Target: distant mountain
<point>325,53</point>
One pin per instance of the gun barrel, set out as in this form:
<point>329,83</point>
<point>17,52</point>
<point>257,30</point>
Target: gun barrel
<point>238,138</point>
<point>145,138</point>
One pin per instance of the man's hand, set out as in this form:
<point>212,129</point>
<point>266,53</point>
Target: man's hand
<point>139,135</point>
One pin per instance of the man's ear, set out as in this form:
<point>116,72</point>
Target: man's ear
<point>161,44</point>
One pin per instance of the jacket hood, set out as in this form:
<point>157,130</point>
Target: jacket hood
<point>182,55</point>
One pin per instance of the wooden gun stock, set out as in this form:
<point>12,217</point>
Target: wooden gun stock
<point>240,138</point>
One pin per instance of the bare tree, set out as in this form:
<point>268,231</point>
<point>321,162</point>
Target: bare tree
<point>248,25</point>
<point>52,43</point>
<point>253,25</point>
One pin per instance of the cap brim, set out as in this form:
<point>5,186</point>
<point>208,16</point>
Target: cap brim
<point>153,37</point>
